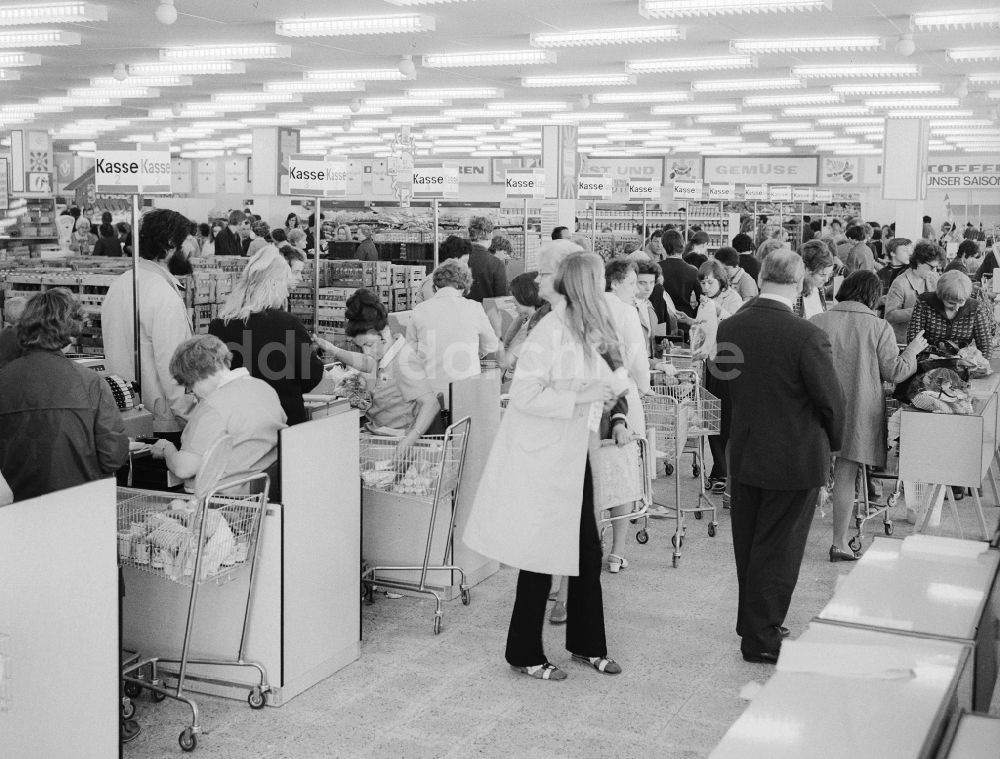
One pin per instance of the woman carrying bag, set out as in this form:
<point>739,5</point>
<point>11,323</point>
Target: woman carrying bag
<point>542,521</point>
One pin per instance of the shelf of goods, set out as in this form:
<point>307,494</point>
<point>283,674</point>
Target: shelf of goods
<point>618,227</point>
<point>33,231</point>
<point>791,216</point>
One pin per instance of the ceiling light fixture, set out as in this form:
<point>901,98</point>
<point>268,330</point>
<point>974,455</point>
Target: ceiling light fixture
<point>639,34</point>
<point>406,67</point>
<point>926,114</point>
<point>17,60</point>
<point>192,68</point>
<point>912,103</point>
<point>865,70</point>
<point>256,97</point>
<point>407,3</point>
<point>739,85</point>
<point>476,113</point>
<point>710,63</point>
<point>736,118</point>
<point>166,13</point>
<point>39,38</point>
<point>52,13</point>
<point>343,26</point>
<point>771,101</point>
<point>406,102</point>
<point>805,45</point>
<point>895,88</point>
<point>693,109</point>
<point>826,110</point>
<point>984,78</point>
<point>120,91</point>
<point>455,93</point>
<point>787,126</point>
<point>802,135</point>
<point>226,52</point>
<point>528,105</point>
<point>298,85</point>
<point>988,53</point>
<point>662,96</point>
<point>852,121</point>
<point>353,75</point>
<point>906,46</point>
<point>141,81</point>
<point>985,17</point>
<point>7,75</point>
<point>688,8</point>
<point>488,58</point>
<point>579,80</point>
<point>589,116</point>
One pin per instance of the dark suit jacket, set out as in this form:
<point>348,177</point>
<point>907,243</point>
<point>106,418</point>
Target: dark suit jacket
<point>787,403</point>
<point>680,279</point>
<point>228,244</point>
<point>489,277</point>
<point>750,265</point>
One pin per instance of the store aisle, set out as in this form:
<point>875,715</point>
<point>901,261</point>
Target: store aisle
<point>414,695</point>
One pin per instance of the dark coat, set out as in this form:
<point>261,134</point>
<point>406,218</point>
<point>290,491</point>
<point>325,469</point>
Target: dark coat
<point>228,244</point>
<point>489,277</point>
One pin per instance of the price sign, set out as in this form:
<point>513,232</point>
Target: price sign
<point>594,186</point>
<point>802,194</point>
<point>781,193</point>
<point>643,189</point>
<point>435,181</point>
<point>317,176</point>
<point>755,192</point>
<point>722,192</point>
<point>687,190</point>
<point>823,196</point>
<point>136,169</point>
<point>522,183</point>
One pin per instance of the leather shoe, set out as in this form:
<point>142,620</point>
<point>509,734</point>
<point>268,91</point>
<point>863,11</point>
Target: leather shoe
<point>764,657</point>
<point>785,632</point>
<point>838,555</point>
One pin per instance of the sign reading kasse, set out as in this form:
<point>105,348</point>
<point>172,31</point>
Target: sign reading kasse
<point>137,169</point>
<point>435,181</point>
<point>524,183</point>
<point>317,176</point>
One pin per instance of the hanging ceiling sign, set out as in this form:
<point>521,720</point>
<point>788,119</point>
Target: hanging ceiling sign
<point>625,168</point>
<point>784,169</point>
<point>643,189</point>
<point>594,186</point>
<point>722,192</point>
<point>524,183</point>
<point>435,180</point>
<point>317,176</point>
<point>781,193</point>
<point>142,168</point>
<point>823,196</point>
<point>755,192</point>
<point>802,194</point>
<point>691,190</point>
<point>964,174</point>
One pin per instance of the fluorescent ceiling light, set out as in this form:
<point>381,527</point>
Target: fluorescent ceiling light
<point>956,126</point>
<point>826,110</point>
<point>52,13</point>
<point>786,125</point>
<point>355,75</point>
<point>141,81</point>
<point>588,116</point>
<point>80,101</point>
<point>805,44</point>
<point>984,78</point>
<point>852,121</point>
<point>38,38</point>
<point>528,105</point>
<point>579,80</point>
<point>827,141</point>
<point>298,85</point>
<point>912,103</point>
<point>179,68</point>
<point>816,98</point>
<point>737,118</point>
<point>344,110</point>
<point>709,63</point>
<point>662,96</point>
<point>455,93</point>
<point>17,60</point>
<point>993,95</point>
<point>857,150</point>
<point>739,85</point>
<point>256,97</point>
<point>926,114</point>
<point>477,113</point>
<point>8,75</point>
<point>894,88</point>
<point>867,130</point>
<point>114,92</point>
<point>803,135</point>
<point>987,17</point>
<point>418,119</point>
<point>688,8</point>
<point>608,36</point>
<point>249,51</point>
<point>691,109</point>
<point>989,53</point>
<point>341,26</point>
<point>405,102</point>
<point>866,70</point>
<point>202,110</point>
<point>407,3</point>
<point>488,58</point>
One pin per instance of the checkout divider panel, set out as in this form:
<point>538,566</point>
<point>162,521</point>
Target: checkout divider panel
<point>59,613</point>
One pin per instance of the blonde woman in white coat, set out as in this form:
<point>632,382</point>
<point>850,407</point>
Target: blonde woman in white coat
<point>534,509</point>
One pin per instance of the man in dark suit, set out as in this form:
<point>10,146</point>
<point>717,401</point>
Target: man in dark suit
<point>777,371</point>
<point>228,241</point>
<point>489,277</point>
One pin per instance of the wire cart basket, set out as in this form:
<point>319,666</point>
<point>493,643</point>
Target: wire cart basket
<point>429,472</point>
<point>633,478</point>
<point>666,433</point>
<point>212,537</point>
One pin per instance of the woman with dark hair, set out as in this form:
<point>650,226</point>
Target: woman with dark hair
<point>743,244</point>
<point>696,250</point>
<point>819,268</point>
<point>865,355</point>
<point>537,520</point>
<point>402,397</point>
<point>921,277</point>
<point>108,244</point>
<point>124,231</point>
<point>680,279</point>
<point>452,247</point>
<point>291,222</point>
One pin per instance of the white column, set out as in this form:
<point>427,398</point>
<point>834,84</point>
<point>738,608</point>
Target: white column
<point>904,165</point>
<point>561,163</point>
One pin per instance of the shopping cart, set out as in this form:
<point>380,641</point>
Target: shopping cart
<point>631,472</point>
<point>864,509</point>
<point>430,472</point>
<point>666,433</point>
<point>211,538</point>
<point>683,359</point>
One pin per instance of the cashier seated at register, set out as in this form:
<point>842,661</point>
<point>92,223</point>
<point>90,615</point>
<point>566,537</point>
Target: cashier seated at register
<point>230,402</point>
<point>402,398</point>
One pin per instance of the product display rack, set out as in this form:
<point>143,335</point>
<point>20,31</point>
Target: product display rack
<point>33,230</point>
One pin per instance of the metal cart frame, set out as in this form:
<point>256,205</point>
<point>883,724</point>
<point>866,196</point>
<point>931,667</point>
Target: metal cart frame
<point>646,467</point>
<point>218,497</point>
<point>666,433</point>
<point>447,485</point>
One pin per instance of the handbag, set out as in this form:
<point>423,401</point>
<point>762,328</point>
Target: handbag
<point>617,475</point>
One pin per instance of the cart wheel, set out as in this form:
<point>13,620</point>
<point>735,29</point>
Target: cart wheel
<point>187,739</point>
<point>437,625</point>
<point>132,690</point>
<point>695,470</point>
<point>888,528</point>
<point>466,596</point>
<point>256,698</point>
<point>677,560</point>
<point>711,529</point>
<point>891,501</point>
<point>677,542</point>
<point>668,469</point>
<point>642,537</point>
<point>698,515</point>
<point>854,543</point>
<point>128,708</point>
<point>156,696</point>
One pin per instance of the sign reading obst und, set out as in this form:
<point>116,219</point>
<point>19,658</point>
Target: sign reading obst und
<point>136,169</point>
<point>316,176</point>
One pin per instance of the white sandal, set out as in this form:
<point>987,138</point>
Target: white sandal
<point>616,563</point>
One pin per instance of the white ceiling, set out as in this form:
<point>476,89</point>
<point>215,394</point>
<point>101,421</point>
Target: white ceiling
<point>132,35</point>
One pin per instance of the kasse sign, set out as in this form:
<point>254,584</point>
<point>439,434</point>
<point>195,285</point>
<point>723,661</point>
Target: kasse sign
<point>316,175</point>
<point>524,183</point>
<point>140,168</point>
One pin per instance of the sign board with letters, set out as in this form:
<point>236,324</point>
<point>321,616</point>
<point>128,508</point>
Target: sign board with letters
<point>823,196</point>
<point>963,173</point>
<point>435,181</point>
<point>784,169</point>
<point>594,186</point>
<point>687,190</point>
<point>141,168</point>
<point>643,189</point>
<point>802,194</point>
<point>524,183</point>
<point>722,191</point>
<point>755,192</point>
<point>317,176</point>
<point>781,193</point>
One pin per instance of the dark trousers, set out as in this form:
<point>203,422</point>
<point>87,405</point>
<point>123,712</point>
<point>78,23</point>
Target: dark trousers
<point>584,605</point>
<point>770,529</point>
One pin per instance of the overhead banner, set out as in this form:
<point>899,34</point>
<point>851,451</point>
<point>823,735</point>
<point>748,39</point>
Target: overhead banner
<point>524,183</point>
<point>755,192</point>
<point>841,170</point>
<point>722,192</point>
<point>317,176</point>
<point>783,169</point>
<point>142,168</point>
<point>594,186</point>
<point>687,190</point>
<point>435,181</point>
<point>962,174</point>
<point>643,189</point>
<point>473,170</point>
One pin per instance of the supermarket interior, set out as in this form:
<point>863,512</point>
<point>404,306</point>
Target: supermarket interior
<point>353,354</point>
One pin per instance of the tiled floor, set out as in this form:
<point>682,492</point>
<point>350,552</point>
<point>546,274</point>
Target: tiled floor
<point>414,695</point>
